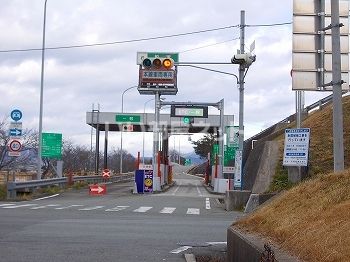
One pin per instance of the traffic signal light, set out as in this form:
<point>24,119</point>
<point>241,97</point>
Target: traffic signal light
<point>158,63</point>
<point>188,120</point>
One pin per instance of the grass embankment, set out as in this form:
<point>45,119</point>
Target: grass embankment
<point>311,220</point>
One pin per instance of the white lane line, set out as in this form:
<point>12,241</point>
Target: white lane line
<point>55,195</point>
<point>192,211</point>
<point>117,208</point>
<point>207,203</point>
<point>199,192</point>
<point>180,249</point>
<point>60,208</point>
<point>41,207</point>
<point>142,209</point>
<point>5,205</point>
<point>176,190</point>
<point>25,205</point>
<point>91,208</point>
<point>167,210</point>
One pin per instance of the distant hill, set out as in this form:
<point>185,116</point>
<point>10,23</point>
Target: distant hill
<point>194,158</point>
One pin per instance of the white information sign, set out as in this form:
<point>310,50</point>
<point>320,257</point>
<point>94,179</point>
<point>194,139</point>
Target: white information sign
<point>238,169</point>
<point>296,147</point>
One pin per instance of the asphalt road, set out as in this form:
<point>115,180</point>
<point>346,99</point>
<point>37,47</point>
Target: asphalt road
<point>118,226</point>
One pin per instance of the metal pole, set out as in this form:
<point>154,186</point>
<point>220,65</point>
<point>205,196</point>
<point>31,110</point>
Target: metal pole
<point>143,133</point>
<point>121,134</point>
<point>241,84</point>
<point>338,144</point>
<point>41,96</point>
<point>221,161</point>
<point>105,156</point>
<point>155,141</point>
<point>97,146</point>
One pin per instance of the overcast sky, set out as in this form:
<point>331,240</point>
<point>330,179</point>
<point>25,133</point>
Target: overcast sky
<point>75,78</point>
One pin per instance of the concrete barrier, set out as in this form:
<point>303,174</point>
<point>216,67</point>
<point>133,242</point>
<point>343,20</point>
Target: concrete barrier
<point>256,200</point>
<point>242,246</point>
<point>236,199</point>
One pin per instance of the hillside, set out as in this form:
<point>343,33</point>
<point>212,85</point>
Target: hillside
<point>321,142</point>
<point>311,220</point>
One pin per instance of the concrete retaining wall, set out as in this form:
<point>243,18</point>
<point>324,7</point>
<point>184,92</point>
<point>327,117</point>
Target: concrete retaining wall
<point>242,246</point>
<point>236,199</point>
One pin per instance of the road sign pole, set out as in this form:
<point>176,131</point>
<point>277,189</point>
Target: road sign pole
<point>156,141</point>
<point>41,96</point>
<point>338,144</point>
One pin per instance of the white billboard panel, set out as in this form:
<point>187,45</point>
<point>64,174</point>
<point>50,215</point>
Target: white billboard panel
<point>310,59</point>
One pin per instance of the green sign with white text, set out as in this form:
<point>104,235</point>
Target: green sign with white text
<point>51,145</point>
<point>128,118</point>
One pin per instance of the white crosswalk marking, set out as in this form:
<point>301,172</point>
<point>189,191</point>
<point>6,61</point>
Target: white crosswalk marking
<point>41,207</point>
<point>192,211</point>
<point>117,208</point>
<point>66,207</point>
<point>142,209</point>
<point>207,203</point>
<point>25,205</point>
<point>91,208</point>
<point>167,210</point>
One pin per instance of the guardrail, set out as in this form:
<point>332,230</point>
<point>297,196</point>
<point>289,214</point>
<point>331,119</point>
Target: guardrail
<point>12,187</point>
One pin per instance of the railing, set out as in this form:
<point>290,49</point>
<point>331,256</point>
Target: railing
<point>12,187</point>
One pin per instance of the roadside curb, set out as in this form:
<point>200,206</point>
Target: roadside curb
<point>190,258</point>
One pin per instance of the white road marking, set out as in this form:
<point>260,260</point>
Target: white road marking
<point>199,192</point>
<point>142,209</point>
<point>25,205</point>
<point>192,211</point>
<point>5,205</point>
<point>59,208</point>
<point>41,207</point>
<point>176,190</point>
<point>167,210</point>
<point>207,203</point>
<point>91,208</point>
<point>117,208</point>
<point>180,249</point>
<point>55,195</point>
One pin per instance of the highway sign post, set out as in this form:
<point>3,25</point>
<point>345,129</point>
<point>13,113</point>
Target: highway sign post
<point>15,133</point>
<point>52,145</point>
<point>296,147</point>
<point>16,115</point>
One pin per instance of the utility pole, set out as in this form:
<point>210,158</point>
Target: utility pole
<point>241,83</point>
<point>338,143</point>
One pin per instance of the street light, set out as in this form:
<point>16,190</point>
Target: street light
<point>143,133</point>
<point>41,96</point>
<point>121,134</point>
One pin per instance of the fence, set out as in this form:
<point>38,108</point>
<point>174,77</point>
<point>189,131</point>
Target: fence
<point>13,186</point>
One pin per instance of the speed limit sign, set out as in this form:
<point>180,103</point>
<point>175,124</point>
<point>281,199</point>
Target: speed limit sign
<point>15,146</point>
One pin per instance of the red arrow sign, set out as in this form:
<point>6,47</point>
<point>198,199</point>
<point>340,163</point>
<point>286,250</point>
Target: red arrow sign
<point>97,190</point>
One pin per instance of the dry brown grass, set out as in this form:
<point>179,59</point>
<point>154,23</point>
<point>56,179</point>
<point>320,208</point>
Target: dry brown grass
<point>312,220</point>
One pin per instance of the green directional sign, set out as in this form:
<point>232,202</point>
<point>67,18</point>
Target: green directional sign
<point>51,145</point>
<point>128,118</point>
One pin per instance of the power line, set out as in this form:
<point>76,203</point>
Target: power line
<point>217,43</point>
<point>270,25</point>
<point>143,39</point>
<point>120,42</point>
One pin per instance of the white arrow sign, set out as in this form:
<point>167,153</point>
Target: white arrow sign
<point>98,189</point>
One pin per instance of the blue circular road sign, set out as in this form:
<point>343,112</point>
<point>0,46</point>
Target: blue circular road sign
<point>16,115</point>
